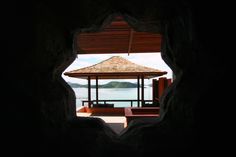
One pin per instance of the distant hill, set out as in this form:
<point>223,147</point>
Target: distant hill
<point>115,84</point>
<point>77,85</point>
<point>112,84</point>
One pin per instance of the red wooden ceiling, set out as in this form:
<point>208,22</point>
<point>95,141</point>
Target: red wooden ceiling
<point>117,37</point>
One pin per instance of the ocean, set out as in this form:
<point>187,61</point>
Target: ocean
<point>112,93</point>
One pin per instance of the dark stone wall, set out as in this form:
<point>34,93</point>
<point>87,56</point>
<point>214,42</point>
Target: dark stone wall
<point>39,108</point>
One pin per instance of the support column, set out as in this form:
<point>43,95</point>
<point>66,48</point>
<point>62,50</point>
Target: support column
<point>154,90</point>
<point>89,91</point>
<point>138,91</point>
<point>161,86</point>
<point>142,92</point>
<point>97,89</point>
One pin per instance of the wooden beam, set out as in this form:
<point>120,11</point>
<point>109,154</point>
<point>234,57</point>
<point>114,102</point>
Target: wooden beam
<point>130,41</point>
<point>116,40</point>
<point>117,37</point>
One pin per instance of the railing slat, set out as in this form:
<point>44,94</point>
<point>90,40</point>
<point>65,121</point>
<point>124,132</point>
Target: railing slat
<point>122,100</point>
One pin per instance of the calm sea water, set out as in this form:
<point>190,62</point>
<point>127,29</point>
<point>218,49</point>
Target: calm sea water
<point>112,93</point>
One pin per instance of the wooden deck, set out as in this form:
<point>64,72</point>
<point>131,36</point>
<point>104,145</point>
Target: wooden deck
<point>114,117</point>
<point>118,118</point>
<point>144,112</point>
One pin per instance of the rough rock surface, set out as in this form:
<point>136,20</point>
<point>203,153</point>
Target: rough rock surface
<point>39,113</point>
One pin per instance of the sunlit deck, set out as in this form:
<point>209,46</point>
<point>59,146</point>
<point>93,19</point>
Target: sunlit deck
<point>118,118</point>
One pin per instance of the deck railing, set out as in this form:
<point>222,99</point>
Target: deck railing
<point>131,102</point>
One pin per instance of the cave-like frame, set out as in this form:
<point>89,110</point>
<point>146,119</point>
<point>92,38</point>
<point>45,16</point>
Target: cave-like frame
<point>176,31</point>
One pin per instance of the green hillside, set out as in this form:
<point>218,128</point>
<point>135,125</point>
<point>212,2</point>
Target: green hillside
<point>112,84</point>
<point>115,84</point>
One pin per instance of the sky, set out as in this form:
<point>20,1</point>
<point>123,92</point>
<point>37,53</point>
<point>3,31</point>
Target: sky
<point>152,60</point>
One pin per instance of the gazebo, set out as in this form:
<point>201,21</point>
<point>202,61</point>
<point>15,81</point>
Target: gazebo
<point>116,67</point>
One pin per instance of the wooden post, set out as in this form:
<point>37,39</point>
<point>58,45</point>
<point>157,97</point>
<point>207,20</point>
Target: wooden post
<point>138,94</point>
<point>154,93</point>
<point>142,92</point>
<point>161,86</point>
<point>97,90</point>
<point>168,81</point>
<point>89,91</point>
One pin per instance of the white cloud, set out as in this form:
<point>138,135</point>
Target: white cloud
<point>152,60</point>
<point>100,57</point>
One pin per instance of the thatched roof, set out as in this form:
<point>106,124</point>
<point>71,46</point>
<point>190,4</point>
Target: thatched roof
<point>115,67</point>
